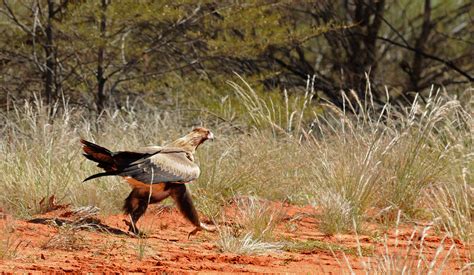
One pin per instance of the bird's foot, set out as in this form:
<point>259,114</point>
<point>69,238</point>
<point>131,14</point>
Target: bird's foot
<point>193,232</point>
<point>132,228</point>
<point>203,226</point>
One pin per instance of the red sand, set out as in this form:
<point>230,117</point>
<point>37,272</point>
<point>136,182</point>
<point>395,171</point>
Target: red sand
<point>166,247</point>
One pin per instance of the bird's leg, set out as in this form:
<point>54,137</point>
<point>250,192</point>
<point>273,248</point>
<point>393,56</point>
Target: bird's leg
<point>131,225</point>
<point>137,203</point>
<point>135,216</point>
<point>135,206</point>
<point>186,207</point>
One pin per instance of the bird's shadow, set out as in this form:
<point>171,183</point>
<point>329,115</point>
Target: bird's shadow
<point>83,224</point>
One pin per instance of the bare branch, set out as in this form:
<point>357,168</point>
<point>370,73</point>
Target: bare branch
<point>448,63</point>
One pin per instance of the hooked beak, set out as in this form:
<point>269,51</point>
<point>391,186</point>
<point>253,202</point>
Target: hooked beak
<point>210,136</point>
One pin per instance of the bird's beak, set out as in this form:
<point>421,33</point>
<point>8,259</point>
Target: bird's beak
<point>210,136</point>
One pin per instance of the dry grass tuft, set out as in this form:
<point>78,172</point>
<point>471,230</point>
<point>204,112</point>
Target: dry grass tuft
<point>253,230</point>
<point>142,248</point>
<point>244,244</point>
<point>9,242</point>
<point>257,217</point>
<point>68,237</point>
<point>410,258</point>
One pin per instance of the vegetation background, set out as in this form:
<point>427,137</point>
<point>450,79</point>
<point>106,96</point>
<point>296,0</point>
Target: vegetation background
<point>361,108</point>
<point>99,53</point>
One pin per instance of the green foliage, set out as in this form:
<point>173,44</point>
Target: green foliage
<point>144,44</point>
<point>151,47</point>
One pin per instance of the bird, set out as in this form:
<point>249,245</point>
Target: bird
<point>154,173</point>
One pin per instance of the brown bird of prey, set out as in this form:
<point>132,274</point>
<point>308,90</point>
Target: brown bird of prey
<point>154,173</point>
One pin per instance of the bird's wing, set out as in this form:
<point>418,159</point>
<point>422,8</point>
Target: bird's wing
<point>149,149</point>
<point>167,165</point>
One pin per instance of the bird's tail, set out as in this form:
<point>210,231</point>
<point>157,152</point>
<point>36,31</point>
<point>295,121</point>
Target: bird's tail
<point>102,156</point>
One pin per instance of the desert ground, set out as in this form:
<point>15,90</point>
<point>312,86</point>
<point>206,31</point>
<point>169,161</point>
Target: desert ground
<point>64,240</point>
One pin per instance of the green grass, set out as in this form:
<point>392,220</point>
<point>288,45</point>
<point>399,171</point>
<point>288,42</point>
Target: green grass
<point>142,248</point>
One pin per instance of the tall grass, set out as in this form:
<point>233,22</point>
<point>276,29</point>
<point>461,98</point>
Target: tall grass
<point>380,160</point>
<point>353,164</point>
<point>411,257</point>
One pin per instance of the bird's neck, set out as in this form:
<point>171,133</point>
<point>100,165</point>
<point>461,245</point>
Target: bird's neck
<point>187,144</point>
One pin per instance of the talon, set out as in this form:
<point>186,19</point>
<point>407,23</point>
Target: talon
<point>203,226</point>
<point>127,223</point>
<point>195,230</point>
<point>132,228</point>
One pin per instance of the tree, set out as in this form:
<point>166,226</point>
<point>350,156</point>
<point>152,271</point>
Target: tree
<point>34,23</point>
<point>114,49</point>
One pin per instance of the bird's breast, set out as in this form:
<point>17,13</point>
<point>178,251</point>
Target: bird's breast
<point>136,184</point>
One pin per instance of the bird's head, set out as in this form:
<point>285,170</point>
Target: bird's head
<point>191,141</point>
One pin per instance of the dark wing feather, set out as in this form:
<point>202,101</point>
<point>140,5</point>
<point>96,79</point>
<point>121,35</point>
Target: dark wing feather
<point>123,159</point>
<point>97,154</point>
<point>98,175</point>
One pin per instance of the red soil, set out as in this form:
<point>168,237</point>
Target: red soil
<point>30,247</point>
